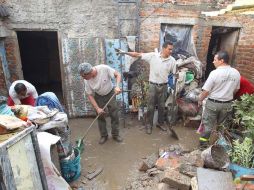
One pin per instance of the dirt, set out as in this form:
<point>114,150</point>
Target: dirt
<point>120,160</point>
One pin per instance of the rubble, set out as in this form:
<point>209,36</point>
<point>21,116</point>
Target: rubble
<point>164,186</point>
<point>173,169</point>
<point>148,162</point>
<point>176,179</point>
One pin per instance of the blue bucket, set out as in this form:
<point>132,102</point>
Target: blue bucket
<point>71,168</point>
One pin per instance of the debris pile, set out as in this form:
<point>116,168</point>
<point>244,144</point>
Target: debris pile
<point>171,168</point>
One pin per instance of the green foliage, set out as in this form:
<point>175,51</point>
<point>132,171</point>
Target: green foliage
<point>242,153</point>
<point>244,114</point>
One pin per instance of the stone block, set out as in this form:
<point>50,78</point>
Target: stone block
<point>164,186</point>
<point>193,158</point>
<point>188,170</point>
<point>176,179</point>
<point>148,163</point>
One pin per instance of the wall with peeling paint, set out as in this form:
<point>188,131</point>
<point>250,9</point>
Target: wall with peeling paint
<point>82,26</point>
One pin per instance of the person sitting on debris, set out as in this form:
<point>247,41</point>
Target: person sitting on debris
<point>22,92</point>
<point>99,90</point>
<point>161,65</point>
<point>245,88</point>
<point>220,87</point>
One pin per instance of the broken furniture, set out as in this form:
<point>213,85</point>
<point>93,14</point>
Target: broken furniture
<point>20,161</point>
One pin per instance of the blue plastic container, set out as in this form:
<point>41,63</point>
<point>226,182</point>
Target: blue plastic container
<point>71,168</point>
<point>238,171</point>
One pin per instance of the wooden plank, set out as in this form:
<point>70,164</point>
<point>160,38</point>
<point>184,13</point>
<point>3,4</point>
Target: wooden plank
<point>212,179</point>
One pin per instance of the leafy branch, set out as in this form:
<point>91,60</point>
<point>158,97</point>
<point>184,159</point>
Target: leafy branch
<point>242,153</point>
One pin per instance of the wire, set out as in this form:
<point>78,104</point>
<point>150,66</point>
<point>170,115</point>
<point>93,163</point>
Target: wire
<point>153,12</point>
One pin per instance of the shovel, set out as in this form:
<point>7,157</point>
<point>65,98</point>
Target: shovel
<point>172,111</point>
<point>80,142</point>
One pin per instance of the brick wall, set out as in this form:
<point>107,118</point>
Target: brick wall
<point>13,58</point>
<point>3,91</point>
<point>244,54</point>
<point>245,48</point>
<point>155,12</point>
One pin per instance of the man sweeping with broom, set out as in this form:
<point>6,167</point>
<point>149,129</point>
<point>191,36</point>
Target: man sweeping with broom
<point>100,92</point>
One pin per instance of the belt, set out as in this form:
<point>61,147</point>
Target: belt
<point>157,84</point>
<point>217,101</point>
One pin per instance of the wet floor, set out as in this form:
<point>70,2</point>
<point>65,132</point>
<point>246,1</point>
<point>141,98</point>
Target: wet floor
<point>118,159</point>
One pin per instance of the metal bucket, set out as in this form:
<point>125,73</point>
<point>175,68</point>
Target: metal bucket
<point>215,157</point>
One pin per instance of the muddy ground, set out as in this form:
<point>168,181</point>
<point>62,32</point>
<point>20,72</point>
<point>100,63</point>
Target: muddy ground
<point>120,160</point>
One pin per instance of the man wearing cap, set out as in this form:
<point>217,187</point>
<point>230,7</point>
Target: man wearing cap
<point>99,89</point>
<point>220,87</point>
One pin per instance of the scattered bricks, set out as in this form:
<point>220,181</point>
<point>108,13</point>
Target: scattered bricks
<point>164,163</point>
<point>188,170</point>
<point>176,149</point>
<point>245,186</point>
<point>148,163</point>
<point>176,179</point>
<point>193,158</point>
<point>153,172</point>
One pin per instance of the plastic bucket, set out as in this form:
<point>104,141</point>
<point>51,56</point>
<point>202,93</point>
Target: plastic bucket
<point>215,157</point>
<point>71,167</point>
<point>238,171</point>
<point>64,146</point>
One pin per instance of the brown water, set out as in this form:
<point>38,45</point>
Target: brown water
<point>120,159</point>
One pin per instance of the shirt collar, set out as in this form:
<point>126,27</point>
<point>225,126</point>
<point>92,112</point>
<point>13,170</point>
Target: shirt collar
<point>164,59</point>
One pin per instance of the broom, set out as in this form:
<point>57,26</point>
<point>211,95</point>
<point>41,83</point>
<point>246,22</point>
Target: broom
<point>80,142</point>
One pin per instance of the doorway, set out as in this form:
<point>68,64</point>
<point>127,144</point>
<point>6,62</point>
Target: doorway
<point>40,60</point>
<point>222,38</point>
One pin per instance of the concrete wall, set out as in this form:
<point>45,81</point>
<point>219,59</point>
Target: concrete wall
<point>82,25</point>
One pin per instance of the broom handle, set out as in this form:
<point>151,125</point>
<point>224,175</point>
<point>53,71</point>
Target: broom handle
<point>98,116</point>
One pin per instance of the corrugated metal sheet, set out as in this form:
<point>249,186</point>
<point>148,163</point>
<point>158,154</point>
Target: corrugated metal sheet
<point>3,11</point>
